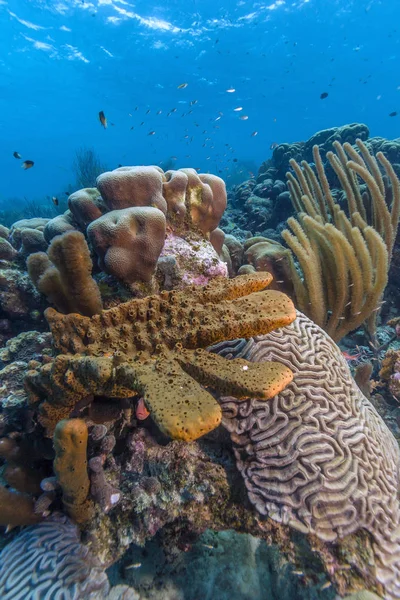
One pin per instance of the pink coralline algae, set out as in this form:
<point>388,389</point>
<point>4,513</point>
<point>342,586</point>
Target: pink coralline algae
<point>183,262</point>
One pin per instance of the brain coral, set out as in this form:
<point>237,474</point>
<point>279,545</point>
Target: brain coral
<point>48,561</point>
<point>317,457</point>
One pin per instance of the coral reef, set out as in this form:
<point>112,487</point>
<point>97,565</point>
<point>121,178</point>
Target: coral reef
<point>226,565</point>
<point>318,457</point>
<point>85,206</point>
<point>19,301</point>
<point>122,352</point>
<point>126,220</point>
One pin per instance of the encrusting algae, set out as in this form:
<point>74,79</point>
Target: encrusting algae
<point>152,347</point>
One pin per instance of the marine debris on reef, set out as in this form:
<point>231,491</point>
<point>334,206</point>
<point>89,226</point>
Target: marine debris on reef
<point>151,346</point>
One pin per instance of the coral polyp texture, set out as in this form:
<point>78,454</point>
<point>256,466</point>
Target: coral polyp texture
<point>317,457</point>
<point>152,347</point>
<point>134,210</point>
<point>128,242</point>
<point>49,561</point>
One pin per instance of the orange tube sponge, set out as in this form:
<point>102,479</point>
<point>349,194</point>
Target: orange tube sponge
<point>70,466</point>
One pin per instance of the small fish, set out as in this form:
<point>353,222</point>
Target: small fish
<point>351,357</point>
<point>254,133</point>
<point>132,127</point>
<point>67,193</point>
<point>151,133</point>
<point>159,112</point>
<point>217,119</point>
<point>243,118</point>
<point>324,95</point>
<point>193,102</point>
<point>273,146</point>
<point>134,566</point>
<point>103,120</point>
<point>55,200</point>
<point>27,164</point>
<point>238,108</point>
<point>16,155</point>
<point>147,111</point>
<point>141,411</point>
<point>325,586</point>
<point>235,160</point>
<point>231,90</point>
<point>393,114</point>
<point>208,546</point>
<point>182,86</point>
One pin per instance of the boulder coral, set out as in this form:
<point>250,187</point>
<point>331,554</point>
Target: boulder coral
<point>128,242</point>
<point>86,205</point>
<point>122,221</point>
<point>132,186</point>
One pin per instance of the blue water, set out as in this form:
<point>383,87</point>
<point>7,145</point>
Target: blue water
<point>62,61</point>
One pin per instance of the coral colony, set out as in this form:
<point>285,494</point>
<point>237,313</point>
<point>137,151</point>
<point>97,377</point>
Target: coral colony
<point>170,366</point>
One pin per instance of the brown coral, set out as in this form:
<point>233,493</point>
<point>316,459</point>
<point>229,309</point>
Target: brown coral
<point>128,242</point>
<point>16,509</point>
<point>68,284</point>
<point>205,200</point>
<point>268,255</point>
<point>86,205</point>
<point>144,346</point>
<point>70,466</point>
<point>126,187</point>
